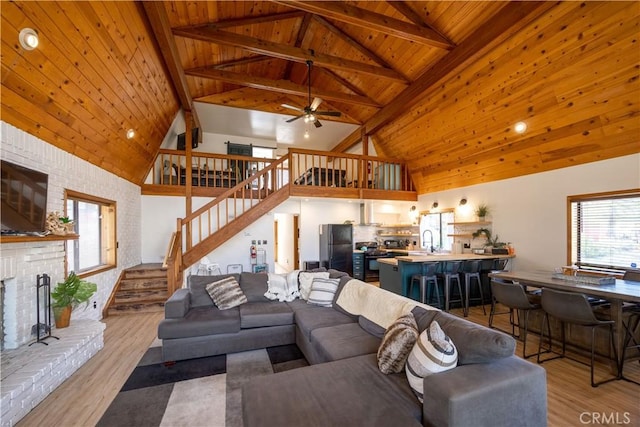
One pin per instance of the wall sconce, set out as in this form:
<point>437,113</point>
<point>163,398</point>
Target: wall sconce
<point>463,201</point>
<point>434,205</point>
<point>28,39</point>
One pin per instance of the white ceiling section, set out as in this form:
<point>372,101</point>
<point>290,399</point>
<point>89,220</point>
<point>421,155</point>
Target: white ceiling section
<point>261,125</point>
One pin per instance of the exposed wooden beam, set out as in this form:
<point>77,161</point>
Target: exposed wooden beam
<point>344,82</point>
<point>353,15</point>
<point>353,42</point>
<point>415,17</point>
<point>280,86</point>
<point>241,61</point>
<point>251,20</point>
<point>157,16</point>
<point>509,20</point>
<point>283,51</point>
<point>302,32</point>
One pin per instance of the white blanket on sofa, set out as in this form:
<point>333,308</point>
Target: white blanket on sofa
<point>378,305</point>
<point>283,287</point>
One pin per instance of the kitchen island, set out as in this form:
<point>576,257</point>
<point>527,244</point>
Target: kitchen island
<point>395,273</point>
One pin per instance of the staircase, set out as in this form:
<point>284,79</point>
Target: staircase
<point>141,289</point>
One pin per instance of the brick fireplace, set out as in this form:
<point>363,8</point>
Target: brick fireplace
<point>29,373</point>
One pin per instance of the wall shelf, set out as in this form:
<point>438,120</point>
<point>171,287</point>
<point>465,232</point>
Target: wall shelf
<point>471,223</point>
<point>49,238</point>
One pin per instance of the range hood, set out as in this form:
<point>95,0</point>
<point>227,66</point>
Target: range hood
<point>366,214</point>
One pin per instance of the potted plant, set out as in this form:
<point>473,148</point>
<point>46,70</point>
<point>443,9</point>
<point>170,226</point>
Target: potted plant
<point>482,210</point>
<point>68,295</point>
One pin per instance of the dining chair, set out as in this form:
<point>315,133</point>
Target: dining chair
<point>574,308</point>
<point>517,300</point>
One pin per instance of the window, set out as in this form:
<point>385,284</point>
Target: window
<point>605,230</point>
<point>95,221</point>
<point>436,225</point>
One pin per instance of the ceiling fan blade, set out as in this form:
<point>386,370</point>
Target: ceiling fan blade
<point>316,103</point>
<point>295,118</point>
<point>328,113</point>
<point>291,107</point>
<point>317,123</point>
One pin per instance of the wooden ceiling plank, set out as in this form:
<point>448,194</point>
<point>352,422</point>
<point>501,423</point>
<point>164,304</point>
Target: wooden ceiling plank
<point>416,18</point>
<point>353,15</point>
<point>354,43</point>
<point>251,20</point>
<point>342,81</point>
<point>286,52</point>
<point>68,81</point>
<point>281,86</point>
<point>241,61</point>
<point>510,19</point>
<point>157,15</point>
<point>115,53</point>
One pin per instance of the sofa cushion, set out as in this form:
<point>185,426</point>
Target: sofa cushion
<point>433,352</point>
<point>258,314</point>
<point>200,322</point>
<point>226,293</point>
<point>397,343</point>
<point>342,341</point>
<point>336,274</point>
<point>254,286</point>
<point>305,278</point>
<point>371,327</point>
<point>322,291</point>
<point>199,295</point>
<point>319,317</point>
<point>347,392</point>
<point>475,343</point>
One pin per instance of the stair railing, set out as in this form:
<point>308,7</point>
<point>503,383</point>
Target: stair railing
<point>232,204</point>
<point>173,262</point>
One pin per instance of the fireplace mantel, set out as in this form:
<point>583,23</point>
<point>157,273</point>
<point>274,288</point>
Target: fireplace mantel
<point>49,238</point>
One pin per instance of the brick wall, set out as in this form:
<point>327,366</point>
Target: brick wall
<point>67,171</point>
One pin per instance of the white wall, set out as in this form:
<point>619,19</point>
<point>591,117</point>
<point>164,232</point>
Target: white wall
<point>286,235</point>
<point>531,211</point>
<point>67,171</point>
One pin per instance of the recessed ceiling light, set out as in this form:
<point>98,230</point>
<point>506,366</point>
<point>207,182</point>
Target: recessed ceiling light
<point>131,133</point>
<point>520,127</point>
<point>28,39</point>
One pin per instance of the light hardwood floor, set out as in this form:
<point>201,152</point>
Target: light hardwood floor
<point>84,397</point>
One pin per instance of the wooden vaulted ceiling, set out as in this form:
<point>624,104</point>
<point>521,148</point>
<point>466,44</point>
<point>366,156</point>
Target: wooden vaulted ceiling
<point>439,84</point>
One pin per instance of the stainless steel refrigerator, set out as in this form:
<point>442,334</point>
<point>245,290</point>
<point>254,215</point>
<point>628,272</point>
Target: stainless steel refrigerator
<point>336,247</point>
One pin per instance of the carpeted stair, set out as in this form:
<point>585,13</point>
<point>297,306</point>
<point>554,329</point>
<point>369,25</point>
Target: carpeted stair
<point>142,289</point>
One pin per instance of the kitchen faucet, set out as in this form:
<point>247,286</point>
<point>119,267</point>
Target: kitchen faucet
<point>431,248</point>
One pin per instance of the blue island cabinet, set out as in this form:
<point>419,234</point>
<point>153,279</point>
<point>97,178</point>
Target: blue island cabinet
<point>358,265</point>
<point>396,278</point>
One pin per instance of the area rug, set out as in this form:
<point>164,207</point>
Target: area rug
<point>197,392</point>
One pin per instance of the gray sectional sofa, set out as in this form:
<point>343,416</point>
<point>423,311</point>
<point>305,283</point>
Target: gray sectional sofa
<point>343,386</point>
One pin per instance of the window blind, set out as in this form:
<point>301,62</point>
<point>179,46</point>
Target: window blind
<point>605,231</point>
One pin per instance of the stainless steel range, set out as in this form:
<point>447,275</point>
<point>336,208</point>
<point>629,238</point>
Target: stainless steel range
<point>371,255</point>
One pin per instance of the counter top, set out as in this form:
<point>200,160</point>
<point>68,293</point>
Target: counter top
<point>440,257</point>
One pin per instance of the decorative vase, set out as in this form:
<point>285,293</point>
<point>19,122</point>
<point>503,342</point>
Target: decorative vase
<point>62,316</point>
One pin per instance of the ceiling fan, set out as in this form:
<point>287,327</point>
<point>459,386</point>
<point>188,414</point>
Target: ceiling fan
<point>310,112</point>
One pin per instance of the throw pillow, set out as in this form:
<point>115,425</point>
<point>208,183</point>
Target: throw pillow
<point>226,293</point>
<point>306,279</point>
<point>322,291</point>
<point>399,338</point>
<point>433,352</point>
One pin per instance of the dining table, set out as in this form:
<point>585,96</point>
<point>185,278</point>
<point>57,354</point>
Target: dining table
<point>615,291</point>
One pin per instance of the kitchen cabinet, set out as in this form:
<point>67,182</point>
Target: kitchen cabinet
<point>358,265</point>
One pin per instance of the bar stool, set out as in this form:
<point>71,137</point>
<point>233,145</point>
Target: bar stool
<point>573,308</point>
<point>426,278</point>
<point>516,299</point>
<point>450,272</point>
<point>471,270</point>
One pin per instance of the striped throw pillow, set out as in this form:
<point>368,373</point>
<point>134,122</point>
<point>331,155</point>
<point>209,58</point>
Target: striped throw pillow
<point>433,352</point>
<point>399,338</point>
<point>323,291</point>
<point>226,293</point>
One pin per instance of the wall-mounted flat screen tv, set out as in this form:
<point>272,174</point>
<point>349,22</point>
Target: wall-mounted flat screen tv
<point>24,198</point>
<point>182,139</point>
